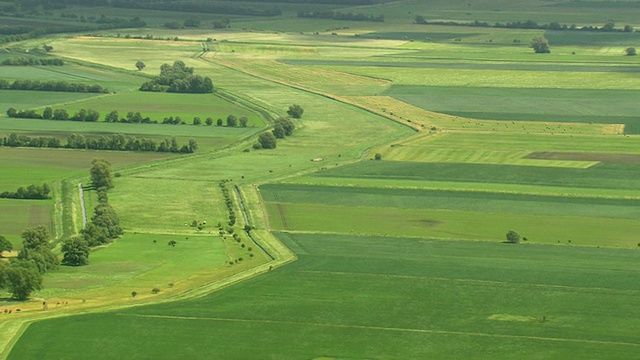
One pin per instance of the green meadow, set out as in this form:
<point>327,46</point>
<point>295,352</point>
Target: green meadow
<point>414,297</point>
<point>349,257</point>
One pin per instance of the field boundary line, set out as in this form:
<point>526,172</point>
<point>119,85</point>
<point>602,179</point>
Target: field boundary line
<point>384,328</point>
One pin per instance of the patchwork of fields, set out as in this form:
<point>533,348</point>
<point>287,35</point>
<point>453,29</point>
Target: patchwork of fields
<point>378,229</point>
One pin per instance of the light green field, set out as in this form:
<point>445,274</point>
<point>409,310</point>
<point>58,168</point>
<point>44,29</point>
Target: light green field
<point>390,236</point>
<point>18,215</point>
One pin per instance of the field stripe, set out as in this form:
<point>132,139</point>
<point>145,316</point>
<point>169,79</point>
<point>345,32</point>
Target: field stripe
<point>489,282</point>
<point>382,328</point>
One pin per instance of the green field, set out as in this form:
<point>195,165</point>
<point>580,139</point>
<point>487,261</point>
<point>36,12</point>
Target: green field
<point>349,258</point>
<point>412,296</point>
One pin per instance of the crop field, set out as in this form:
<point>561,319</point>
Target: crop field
<point>18,215</point>
<point>399,292</point>
<point>377,229</point>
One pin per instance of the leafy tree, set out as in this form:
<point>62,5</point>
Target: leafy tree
<point>197,121</point>
<point>5,245</point>
<point>295,111</point>
<point>76,251</point>
<point>278,131</point>
<point>630,51</point>
<point>378,156</point>
<point>112,117</point>
<point>267,140</point>
<point>513,237</point>
<point>47,114</point>
<point>219,122</point>
<point>36,237</point>
<point>540,45</point>
<point>47,48</point>
<point>287,125</point>
<point>101,174</point>
<point>232,121</point>
<point>60,114</point>
<point>94,235</point>
<point>105,217</point>
<point>243,121</point>
<point>140,65</point>
<point>628,28</point>
<point>209,121</point>
<point>22,278</point>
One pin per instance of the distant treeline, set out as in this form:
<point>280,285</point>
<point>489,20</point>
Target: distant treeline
<point>529,24</point>
<point>336,15</point>
<point>36,192</point>
<point>51,85</point>
<point>15,33</point>
<point>116,142</point>
<point>195,7</point>
<point>27,61</point>
<point>328,2</point>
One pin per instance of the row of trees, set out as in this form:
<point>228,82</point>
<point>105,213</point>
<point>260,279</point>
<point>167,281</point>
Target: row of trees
<point>30,61</point>
<point>32,191</point>
<point>21,33</point>
<point>336,15</point>
<point>51,85</point>
<point>91,115</point>
<point>178,78</point>
<point>609,26</point>
<point>197,7</point>
<point>104,226</point>
<point>117,142</point>
<point>48,113</point>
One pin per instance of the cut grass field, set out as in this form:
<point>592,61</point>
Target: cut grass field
<point>399,293</point>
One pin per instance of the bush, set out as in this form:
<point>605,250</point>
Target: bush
<point>155,290</point>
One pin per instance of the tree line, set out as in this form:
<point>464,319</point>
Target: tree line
<point>178,78</point>
<point>21,32</point>
<point>104,226</point>
<point>51,85</point>
<point>336,15</point>
<point>37,192</point>
<point>196,7</point>
<point>29,61</point>
<point>115,142</point>
<point>528,24</point>
<point>90,115</point>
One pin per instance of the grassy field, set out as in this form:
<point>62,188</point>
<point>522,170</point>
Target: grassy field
<point>400,293</point>
<point>398,258</point>
<point>21,214</point>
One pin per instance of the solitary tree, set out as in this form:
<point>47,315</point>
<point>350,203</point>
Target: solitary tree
<point>630,51</point>
<point>5,245</point>
<point>513,237</point>
<point>243,121</point>
<point>295,111</point>
<point>540,45</point>
<point>47,48</point>
<point>140,65</point>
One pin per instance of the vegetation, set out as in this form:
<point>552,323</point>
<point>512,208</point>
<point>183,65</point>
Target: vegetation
<point>37,85</point>
<point>478,136</point>
<point>30,192</point>
<point>540,45</point>
<point>178,78</point>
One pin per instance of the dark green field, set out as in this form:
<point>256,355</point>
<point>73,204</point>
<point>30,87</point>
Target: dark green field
<point>430,300</point>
